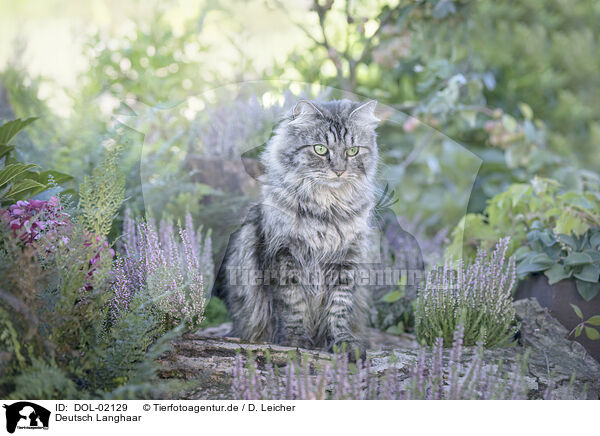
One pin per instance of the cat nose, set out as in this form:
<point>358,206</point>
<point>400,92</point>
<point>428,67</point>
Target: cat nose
<point>339,172</point>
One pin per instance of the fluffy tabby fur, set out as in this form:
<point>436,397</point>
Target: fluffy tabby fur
<point>284,277</point>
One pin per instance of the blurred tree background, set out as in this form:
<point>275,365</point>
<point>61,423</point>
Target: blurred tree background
<point>477,94</point>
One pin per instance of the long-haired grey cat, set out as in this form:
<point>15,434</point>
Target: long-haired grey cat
<point>287,273</point>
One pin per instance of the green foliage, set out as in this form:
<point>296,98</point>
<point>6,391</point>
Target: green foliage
<point>552,231</point>
<point>56,332</point>
<point>215,313</point>
<point>9,340</point>
<point>395,310</point>
<point>452,65</point>
<point>523,207</point>
<point>589,325</point>
<point>539,51</point>
<point>19,181</point>
<point>61,315</point>
<point>563,256</point>
<point>102,194</point>
<point>43,380</point>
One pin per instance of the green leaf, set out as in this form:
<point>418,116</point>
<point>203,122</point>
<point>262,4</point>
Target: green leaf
<point>534,263</point>
<point>58,177</point>
<point>547,239</point>
<point>517,191</point>
<point>557,273</point>
<point>25,186</point>
<point>577,258</point>
<point>571,223</point>
<point>526,110</point>
<point>589,273</point>
<point>553,212</point>
<point>592,333</point>
<point>594,254</point>
<point>12,171</point>
<point>595,240</point>
<point>594,320</point>
<point>521,252</point>
<point>587,290</point>
<point>5,149</point>
<point>577,310</point>
<point>576,200</point>
<point>10,129</point>
<point>568,240</point>
<point>578,330</point>
<point>391,297</point>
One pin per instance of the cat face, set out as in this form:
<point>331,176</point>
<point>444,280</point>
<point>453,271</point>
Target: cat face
<point>330,144</point>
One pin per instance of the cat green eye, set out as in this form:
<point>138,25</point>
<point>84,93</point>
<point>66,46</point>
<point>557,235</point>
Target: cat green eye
<point>352,151</point>
<point>320,149</point>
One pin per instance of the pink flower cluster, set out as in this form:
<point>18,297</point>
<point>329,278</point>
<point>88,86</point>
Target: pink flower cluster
<point>42,224</point>
<point>31,219</point>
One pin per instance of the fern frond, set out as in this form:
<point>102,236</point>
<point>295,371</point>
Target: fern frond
<point>102,194</point>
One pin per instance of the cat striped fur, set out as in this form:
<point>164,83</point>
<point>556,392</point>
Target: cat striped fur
<point>286,276</point>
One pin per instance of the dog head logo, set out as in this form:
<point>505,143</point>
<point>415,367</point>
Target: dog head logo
<point>26,415</point>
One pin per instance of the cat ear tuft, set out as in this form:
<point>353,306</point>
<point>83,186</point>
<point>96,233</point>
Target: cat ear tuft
<point>365,113</point>
<point>305,107</point>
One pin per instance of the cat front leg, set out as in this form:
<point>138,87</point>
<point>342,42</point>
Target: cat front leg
<point>343,314</point>
<point>291,311</point>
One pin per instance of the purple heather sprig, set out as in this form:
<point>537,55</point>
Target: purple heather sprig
<point>429,377</point>
<point>170,265</point>
<point>476,296</point>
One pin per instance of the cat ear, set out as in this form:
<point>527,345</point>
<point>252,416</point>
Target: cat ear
<point>305,107</point>
<point>365,113</point>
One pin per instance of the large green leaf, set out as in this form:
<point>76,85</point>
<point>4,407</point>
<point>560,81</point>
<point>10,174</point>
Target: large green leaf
<point>547,238</point>
<point>557,273</point>
<point>594,254</point>
<point>5,149</point>
<point>568,240</point>
<point>578,258</point>
<point>521,253</point>
<point>587,290</point>
<point>10,129</point>
<point>592,333</point>
<point>589,273</point>
<point>25,188</point>
<point>58,177</point>
<point>534,262</point>
<point>569,222</point>
<point>12,171</point>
